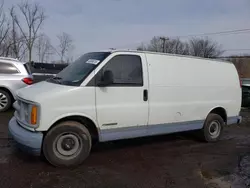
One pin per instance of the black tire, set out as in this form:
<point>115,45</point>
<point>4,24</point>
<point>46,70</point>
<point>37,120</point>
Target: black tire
<point>51,144</point>
<point>207,133</point>
<point>6,106</point>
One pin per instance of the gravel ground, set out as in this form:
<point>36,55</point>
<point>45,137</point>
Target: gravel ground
<point>177,160</point>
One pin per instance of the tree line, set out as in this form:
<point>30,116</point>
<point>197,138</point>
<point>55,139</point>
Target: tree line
<point>202,47</point>
<point>21,36</point>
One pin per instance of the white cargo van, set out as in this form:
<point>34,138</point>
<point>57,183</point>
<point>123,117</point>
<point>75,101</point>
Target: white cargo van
<point>111,95</point>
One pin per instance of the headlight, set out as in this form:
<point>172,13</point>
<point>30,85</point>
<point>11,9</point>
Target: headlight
<point>27,113</point>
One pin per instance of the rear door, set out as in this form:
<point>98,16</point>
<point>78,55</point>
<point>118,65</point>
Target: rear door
<point>10,77</point>
<point>122,108</point>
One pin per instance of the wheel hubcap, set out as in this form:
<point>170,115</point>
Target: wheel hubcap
<point>3,101</point>
<point>214,129</point>
<point>67,145</point>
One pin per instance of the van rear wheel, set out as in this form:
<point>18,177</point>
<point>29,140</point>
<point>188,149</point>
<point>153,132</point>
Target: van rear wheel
<point>67,144</point>
<point>213,127</point>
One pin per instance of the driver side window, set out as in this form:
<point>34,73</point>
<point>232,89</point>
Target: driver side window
<point>126,69</point>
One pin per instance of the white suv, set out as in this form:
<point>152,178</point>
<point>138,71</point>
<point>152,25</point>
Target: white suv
<point>13,76</point>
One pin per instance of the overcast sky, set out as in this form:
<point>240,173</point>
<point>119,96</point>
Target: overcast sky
<point>102,24</point>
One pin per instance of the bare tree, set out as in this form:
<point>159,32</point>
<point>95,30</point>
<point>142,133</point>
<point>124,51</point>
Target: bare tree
<point>141,47</point>
<point>65,45</point>
<point>204,48</point>
<point>44,48</point>
<point>166,45</point>
<point>4,30</point>
<point>33,15</point>
<point>155,45</point>
<point>175,46</point>
<point>241,63</point>
<point>16,42</point>
<point>69,59</point>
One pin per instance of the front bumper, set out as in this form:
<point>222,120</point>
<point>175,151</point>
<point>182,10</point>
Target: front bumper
<point>28,141</point>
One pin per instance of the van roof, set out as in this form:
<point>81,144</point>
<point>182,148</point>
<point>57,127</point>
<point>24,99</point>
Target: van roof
<point>168,54</point>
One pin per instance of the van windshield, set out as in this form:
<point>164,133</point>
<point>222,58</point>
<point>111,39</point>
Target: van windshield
<point>76,72</point>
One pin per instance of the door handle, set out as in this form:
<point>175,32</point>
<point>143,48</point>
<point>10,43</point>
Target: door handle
<point>145,94</point>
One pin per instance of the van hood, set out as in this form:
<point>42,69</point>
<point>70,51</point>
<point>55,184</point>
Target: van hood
<point>42,90</point>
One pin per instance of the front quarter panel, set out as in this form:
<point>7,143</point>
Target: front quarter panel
<point>77,101</point>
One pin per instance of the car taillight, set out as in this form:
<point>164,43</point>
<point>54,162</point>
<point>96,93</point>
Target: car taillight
<point>28,81</point>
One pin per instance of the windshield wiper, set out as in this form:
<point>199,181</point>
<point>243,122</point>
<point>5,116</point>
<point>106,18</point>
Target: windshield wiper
<point>56,79</point>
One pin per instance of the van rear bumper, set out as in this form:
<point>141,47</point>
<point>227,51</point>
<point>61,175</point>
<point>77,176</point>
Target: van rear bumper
<point>234,120</point>
<point>28,141</point>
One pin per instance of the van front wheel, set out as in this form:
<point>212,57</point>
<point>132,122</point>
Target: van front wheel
<point>213,127</point>
<point>67,144</point>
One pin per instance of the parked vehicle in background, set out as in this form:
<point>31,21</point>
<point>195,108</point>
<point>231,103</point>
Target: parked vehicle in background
<point>112,95</point>
<point>13,76</point>
<point>245,81</point>
<point>245,95</point>
<point>43,71</point>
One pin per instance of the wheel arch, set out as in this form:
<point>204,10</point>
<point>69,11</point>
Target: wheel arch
<point>86,121</point>
<point>8,91</point>
<point>219,111</point>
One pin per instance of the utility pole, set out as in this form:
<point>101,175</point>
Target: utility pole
<point>164,39</point>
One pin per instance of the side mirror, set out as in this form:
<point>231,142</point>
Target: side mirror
<point>107,79</point>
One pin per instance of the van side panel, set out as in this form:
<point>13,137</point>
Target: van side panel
<point>183,89</point>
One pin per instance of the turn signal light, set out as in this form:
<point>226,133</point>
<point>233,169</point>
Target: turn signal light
<point>34,115</point>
